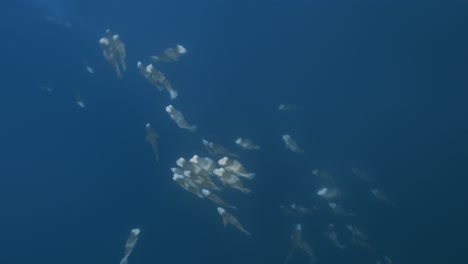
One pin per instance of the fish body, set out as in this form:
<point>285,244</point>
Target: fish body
<point>382,196</point>
<point>229,218</point>
<point>216,150</point>
<point>151,137</point>
<point>291,144</point>
<point>230,180</point>
<point>188,185</point>
<point>339,210</point>
<point>329,194</point>
<point>246,144</point>
<point>130,244</point>
<point>204,163</point>
<point>114,52</point>
<point>170,54</point>
<point>234,166</point>
<point>356,232</point>
<point>179,119</point>
<point>297,242</point>
<point>333,237</point>
<point>216,199</point>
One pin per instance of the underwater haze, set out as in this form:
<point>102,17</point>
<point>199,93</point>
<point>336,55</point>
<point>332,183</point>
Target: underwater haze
<point>372,93</point>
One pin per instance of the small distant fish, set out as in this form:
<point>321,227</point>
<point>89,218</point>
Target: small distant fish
<point>231,180</point>
<point>151,137</point>
<point>333,237</point>
<point>204,163</point>
<point>286,107</point>
<point>246,144</point>
<point>216,150</point>
<point>216,199</point>
<point>81,104</point>
<point>329,194</point>
<point>356,232</point>
<point>362,175</point>
<point>323,175</point>
<point>339,210</point>
<point>170,54</point>
<point>114,52</point>
<point>79,101</point>
<point>229,218</point>
<point>297,242</point>
<point>291,144</point>
<point>302,209</point>
<point>130,244</point>
<point>46,88</point>
<point>87,67</point>
<point>382,196</point>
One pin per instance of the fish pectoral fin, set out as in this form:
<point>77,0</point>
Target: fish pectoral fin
<point>225,221</point>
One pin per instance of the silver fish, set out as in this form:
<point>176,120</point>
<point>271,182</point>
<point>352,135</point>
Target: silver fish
<point>179,119</point>
<point>170,54</point>
<point>229,218</point>
<point>291,144</point>
<point>130,244</point>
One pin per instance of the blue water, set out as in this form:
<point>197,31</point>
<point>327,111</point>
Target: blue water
<point>379,85</point>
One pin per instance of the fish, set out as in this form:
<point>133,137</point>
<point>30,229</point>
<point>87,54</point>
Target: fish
<point>151,137</point>
<point>230,180</point>
<point>160,81</point>
<point>204,163</point>
<point>217,151</point>
<point>382,196</point>
<point>297,242</point>
<point>114,52</point>
<point>46,88</point>
<point>179,119</point>
<point>188,185</point>
<point>339,210</point>
<point>356,232</point>
<point>333,237</point>
<point>79,100</point>
<point>301,209</point>
<point>170,54</point>
<point>286,107</point>
<point>323,175</point>
<point>246,144</point>
<point>88,68</point>
<point>234,166</point>
<point>229,218</point>
<point>130,244</point>
<point>362,175</point>
<point>291,144</point>
<point>329,194</point>
<point>216,199</point>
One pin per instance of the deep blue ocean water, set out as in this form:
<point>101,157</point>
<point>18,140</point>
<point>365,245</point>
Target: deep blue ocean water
<point>378,85</point>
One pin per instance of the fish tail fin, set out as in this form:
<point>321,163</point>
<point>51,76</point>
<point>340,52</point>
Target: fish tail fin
<point>250,176</point>
<point>124,261</point>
